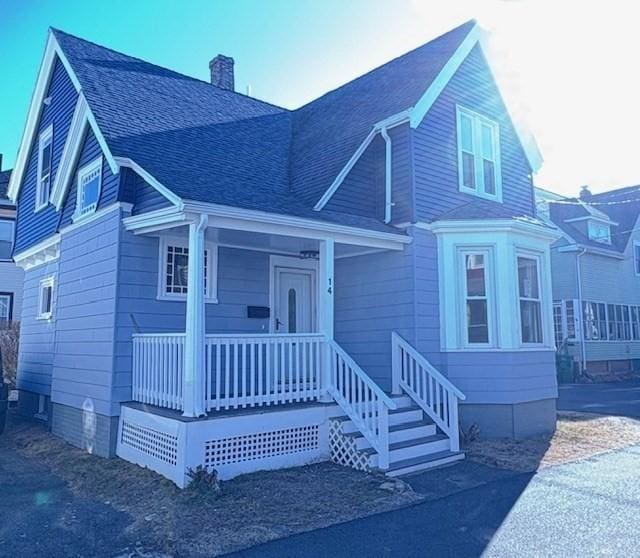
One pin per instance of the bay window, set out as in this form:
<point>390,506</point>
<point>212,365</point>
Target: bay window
<point>530,300</point>
<point>476,298</point>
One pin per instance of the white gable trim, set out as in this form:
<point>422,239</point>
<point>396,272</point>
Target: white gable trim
<point>475,37</point>
<point>129,163</point>
<point>52,51</point>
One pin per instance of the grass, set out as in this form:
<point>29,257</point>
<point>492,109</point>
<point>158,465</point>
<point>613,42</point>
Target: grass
<point>577,436</point>
<point>250,509</point>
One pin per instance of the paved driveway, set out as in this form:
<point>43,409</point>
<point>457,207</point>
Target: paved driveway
<point>588,508</point>
<point>616,398</point>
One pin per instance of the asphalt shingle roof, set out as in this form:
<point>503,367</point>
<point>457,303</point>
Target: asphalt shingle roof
<point>208,144</point>
<point>621,206</point>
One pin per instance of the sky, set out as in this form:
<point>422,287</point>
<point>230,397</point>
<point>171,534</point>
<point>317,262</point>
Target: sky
<point>568,69</point>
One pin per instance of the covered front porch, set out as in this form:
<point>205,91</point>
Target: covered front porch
<point>256,372</point>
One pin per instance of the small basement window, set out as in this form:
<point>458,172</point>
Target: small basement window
<point>89,186</point>
<point>45,299</point>
<point>45,157</point>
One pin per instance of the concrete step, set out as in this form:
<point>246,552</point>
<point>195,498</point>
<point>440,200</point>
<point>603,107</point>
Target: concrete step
<point>423,463</point>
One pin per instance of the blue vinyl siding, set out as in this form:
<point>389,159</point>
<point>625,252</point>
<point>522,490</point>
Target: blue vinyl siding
<point>243,280</point>
<point>37,337</point>
<point>401,174</point>
<point>374,296</point>
<point>435,145</point>
<point>362,191</point>
<point>85,316</point>
<point>34,227</point>
<point>110,182</point>
<point>145,197</point>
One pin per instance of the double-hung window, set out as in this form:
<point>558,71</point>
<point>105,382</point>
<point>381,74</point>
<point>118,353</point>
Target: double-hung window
<point>530,301</point>
<point>594,319</point>
<point>88,188</point>
<point>478,155</point>
<point>174,258</point>
<point>6,238</point>
<point>476,294</point>
<point>45,299</point>
<point>6,309</point>
<point>45,156</point>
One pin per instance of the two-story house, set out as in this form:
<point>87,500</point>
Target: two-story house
<point>596,279</point>
<point>11,276</point>
<point>214,280</point>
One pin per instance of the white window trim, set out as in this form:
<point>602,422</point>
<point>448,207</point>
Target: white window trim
<point>45,135</point>
<point>211,294</point>
<point>44,283</point>
<point>597,222</point>
<point>487,252</point>
<point>636,244</point>
<point>13,235</point>
<point>477,139</point>
<point>87,169</point>
<point>519,253</point>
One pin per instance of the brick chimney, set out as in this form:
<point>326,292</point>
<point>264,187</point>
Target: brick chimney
<point>221,68</point>
<point>585,193</point>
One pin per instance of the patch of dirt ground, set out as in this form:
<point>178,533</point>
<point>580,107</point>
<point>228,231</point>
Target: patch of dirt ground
<point>250,509</point>
<point>577,436</point>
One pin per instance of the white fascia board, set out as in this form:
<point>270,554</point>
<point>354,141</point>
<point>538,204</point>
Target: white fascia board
<point>129,163</point>
<point>491,226</point>
<point>593,217</point>
<point>475,36</point>
<point>234,218</point>
<point>52,51</point>
<point>390,122</point>
<point>590,250</point>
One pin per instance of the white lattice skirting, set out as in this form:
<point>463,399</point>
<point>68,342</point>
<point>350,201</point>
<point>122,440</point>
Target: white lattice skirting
<point>343,448</point>
<point>232,445</point>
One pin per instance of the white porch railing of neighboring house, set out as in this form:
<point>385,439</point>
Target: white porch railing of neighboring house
<point>420,380</point>
<point>362,400</point>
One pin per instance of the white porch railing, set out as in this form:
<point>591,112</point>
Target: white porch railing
<point>250,370</point>
<point>240,370</point>
<point>436,395</point>
<point>362,400</point>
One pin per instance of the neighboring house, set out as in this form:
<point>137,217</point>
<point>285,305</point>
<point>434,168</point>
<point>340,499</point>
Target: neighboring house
<point>11,276</point>
<point>596,278</point>
<point>356,267</point>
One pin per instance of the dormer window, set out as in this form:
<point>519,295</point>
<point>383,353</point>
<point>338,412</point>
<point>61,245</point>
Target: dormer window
<point>600,232</point>
<point>89,186</point>
<point>45,156</point>
<point>478,155</point>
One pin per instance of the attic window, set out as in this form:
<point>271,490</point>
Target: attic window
<point>45,156</point>
<point>89,186</point>
<point>478,155</point>
<point>600,232</point>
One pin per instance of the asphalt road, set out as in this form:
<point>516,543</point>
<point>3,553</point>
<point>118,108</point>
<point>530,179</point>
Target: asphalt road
<point>584,509</point>
<point>615,398</point>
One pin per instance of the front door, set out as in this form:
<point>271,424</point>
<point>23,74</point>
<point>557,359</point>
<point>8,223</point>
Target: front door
<point>294,304</point>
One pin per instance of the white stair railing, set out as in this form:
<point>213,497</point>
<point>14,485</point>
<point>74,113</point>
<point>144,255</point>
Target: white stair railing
<point>361,399</point>
<point>421,381</point>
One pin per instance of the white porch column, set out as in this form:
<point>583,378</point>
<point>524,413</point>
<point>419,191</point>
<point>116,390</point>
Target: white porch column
<point>194,357</point>
<point>325,306</point>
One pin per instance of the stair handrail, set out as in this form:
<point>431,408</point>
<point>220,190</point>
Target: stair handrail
<point>370,413</point>
<point>418,380</point>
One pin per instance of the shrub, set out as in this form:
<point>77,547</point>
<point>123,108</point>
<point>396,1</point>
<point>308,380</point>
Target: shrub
<point>204,481</point>
<point>9,341</point>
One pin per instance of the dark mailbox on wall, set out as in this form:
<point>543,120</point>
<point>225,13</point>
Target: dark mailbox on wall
<point>258,312</point>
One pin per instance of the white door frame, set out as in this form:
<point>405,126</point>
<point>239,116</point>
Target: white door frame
<point>294,264</point>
